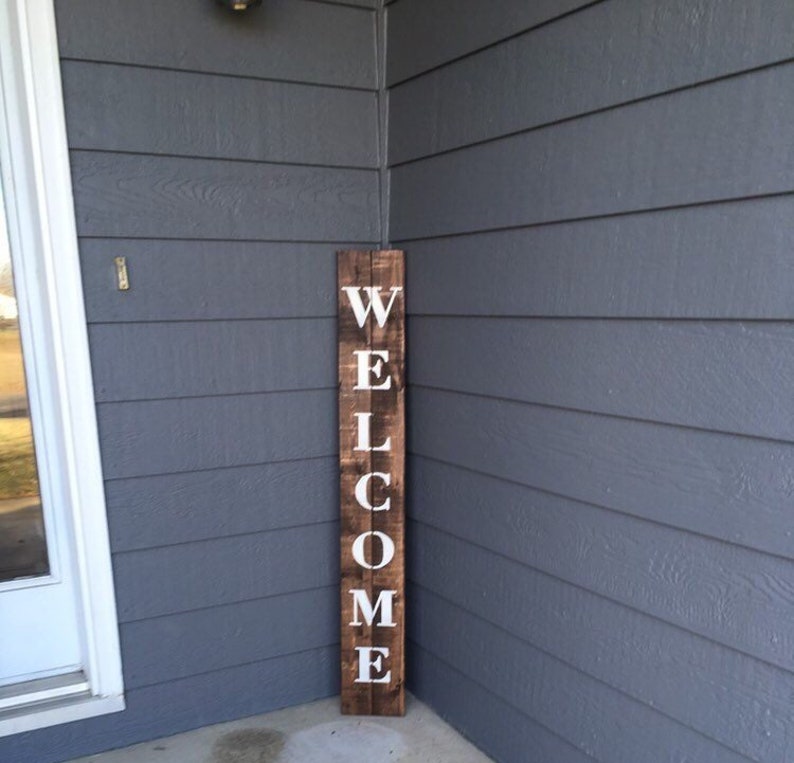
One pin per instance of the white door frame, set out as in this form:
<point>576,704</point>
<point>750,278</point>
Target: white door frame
<point>34,157</point>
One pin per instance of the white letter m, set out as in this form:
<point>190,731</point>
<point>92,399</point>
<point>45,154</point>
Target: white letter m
<point>384,604</point>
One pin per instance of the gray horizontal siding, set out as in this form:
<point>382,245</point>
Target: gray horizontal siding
<point>147,512</point>
<point>209,280</point>
<point>624,49</point>
<point>507,733</point>
<point>167,580</point>
<point>643,565</point>
<point>298,40</point>
<point>164,436</point>
<point>613,609</point>
<point>207,640</point>
<point>717,261</point>
<point>226,156</point>
<point>168,708</point>
<point>725,140</point>
<point>581,709</point>
<point>165,197</point>
<point>123,108</point>
<point>427,33</point>
<point>699,481</point>
<point>136,361</point>
<point>596,206</point>
<point>725,376</point>
<point>685,677</point>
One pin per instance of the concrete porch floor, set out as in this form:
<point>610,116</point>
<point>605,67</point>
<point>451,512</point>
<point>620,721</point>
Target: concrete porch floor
<point>313,733</point>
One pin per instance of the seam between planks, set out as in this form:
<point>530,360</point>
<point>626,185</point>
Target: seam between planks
<point>190,321</point>
<point>212,240</point>
<point>580,671</point>
<point>225,159</point>
<point>326,647</point>
<point>216,395</point>
<point>214,538</point>
<point>234,603</point>
<point>605,415</point>
<point>495,43</point>
<point>224,466</point>
<point>603,216</point>
<point>594,112</point>
<point>490,691</point>
<point>213,73</point>
<point>612,509</point>
<point>580,587</point>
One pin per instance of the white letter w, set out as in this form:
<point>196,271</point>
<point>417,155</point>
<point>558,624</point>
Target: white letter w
<point>375,303</point>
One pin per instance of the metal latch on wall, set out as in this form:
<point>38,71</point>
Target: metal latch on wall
<point>122,278</point>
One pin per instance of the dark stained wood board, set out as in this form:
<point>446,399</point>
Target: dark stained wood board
<point>372,417</point>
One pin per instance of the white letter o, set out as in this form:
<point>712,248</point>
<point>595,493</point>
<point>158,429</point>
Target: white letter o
<point>388,550</point>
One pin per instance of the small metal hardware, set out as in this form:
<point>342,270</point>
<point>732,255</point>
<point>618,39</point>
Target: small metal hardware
<point>240,5</point>
<point>121,273</point>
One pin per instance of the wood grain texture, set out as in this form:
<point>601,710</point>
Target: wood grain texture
<point>160,437</point>
<point>722,376</point>
<point>147,512</point>
<point>224,637</point>
<point>388,419</point>
<point>137,361</point>
<point>716,261</point>
<point>224,571</point>
<point>682,675</point>
<point>164,197</point>
<point>734,596</point>
<point>155,111</point>
<point>189,703</point>
<point>427,33</point>
<point>208,280</point>
<point>354,268</point>
<point>624,50</point>
<point>384,269</point>
<point>725,140</point>
<point>592,716</point>
<point>500,729</point>
<point>337,41</point>
<point>719,485</point>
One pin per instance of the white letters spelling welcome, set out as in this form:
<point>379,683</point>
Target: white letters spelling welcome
<point>372,374</point>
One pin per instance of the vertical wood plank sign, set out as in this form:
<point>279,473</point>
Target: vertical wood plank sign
<point>372,466</point>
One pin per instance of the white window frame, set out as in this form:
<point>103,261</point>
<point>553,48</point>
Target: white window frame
<point>35,156</point>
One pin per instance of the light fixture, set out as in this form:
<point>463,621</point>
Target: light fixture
<point>239,5</point>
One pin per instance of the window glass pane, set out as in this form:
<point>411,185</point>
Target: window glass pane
<point>23,549</point>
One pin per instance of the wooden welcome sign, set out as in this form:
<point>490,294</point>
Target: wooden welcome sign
<point>372,466</point>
